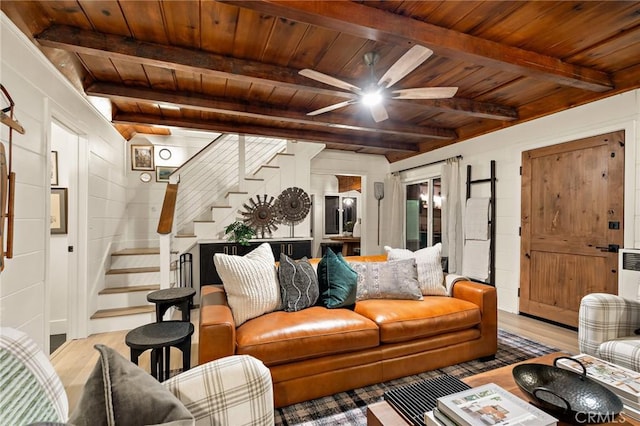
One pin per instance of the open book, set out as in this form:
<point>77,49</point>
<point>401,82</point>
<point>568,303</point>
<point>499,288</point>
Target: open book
<point>491,405</point>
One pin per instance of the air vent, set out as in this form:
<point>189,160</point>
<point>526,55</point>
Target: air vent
<point>631,261</point>
<point>629,274</point>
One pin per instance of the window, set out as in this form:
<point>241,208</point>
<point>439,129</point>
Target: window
<point>423,225</point>
<point>340,214</point>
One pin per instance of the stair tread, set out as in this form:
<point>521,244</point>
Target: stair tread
<point>116,312</point>
<point>186,235</point>
<point>288,154</point>
<point>256,179</point>
<point>237,192</point>
<point>220,207</point>
<point>204,221</point>
<point>136,251</point>
<point>139,270</point>
<point>129,289</point>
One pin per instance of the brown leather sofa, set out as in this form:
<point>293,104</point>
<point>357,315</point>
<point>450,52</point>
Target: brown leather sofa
<point>317,351</point>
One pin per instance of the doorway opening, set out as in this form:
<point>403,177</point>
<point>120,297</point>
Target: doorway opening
<point>423,207</point>
<point>62,261</point>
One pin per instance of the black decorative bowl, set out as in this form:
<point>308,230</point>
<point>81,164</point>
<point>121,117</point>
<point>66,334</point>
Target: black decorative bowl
<point>572,397</point>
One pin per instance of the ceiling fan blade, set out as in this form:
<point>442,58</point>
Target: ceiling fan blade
<point>425,93</point>
<point>403,66</point>
<point>378,112</point>
<point>330,108</point>
<point>327,79</point>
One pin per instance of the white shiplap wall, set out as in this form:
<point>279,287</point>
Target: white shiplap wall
<point>41,93</point>
<point>506,147</point>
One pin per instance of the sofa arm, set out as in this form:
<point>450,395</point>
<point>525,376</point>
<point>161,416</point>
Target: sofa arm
<point>235,390</point>
<point>603,317</point>
<point>486,298</point>
<point>217,330</point>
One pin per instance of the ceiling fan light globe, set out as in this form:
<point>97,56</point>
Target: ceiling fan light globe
<point>372,98</point>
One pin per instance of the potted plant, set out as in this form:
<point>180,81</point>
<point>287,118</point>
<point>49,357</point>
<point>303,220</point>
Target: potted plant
<point>239,232</point>
<point>348,228</point>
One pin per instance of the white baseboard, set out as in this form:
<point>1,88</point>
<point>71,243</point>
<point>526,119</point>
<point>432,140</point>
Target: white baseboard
<point>58,326</point>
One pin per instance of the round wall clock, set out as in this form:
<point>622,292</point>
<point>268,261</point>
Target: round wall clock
<point>145,177</point>
<point>164,153</point>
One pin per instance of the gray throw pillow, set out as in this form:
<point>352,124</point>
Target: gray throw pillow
<point>394,279</point>
<point>298,283</point>
<point>118,392</point>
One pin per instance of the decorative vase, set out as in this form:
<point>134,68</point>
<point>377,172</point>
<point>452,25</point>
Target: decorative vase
<point>357,228</point>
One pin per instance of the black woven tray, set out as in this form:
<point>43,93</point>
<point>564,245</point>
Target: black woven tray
<point>413,400</point>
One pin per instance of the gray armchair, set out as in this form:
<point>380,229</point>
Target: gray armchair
<point>607,326</point>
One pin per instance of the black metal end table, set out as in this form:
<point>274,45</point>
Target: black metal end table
<point>159,337</point>
<point>181,297</point>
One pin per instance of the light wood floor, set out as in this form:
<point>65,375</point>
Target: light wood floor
<point>75,359</point>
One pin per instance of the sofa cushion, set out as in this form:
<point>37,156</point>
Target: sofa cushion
<point>403,320</point>
<point>337,281</point>
<point>280,337</point>
<point>298,283</point>
<point>395,279</point>
<point>250,281</point>
<point>429,265</point>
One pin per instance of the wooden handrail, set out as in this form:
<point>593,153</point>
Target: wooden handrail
<point>165,224</point>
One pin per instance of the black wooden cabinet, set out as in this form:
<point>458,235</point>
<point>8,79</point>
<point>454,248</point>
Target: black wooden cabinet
<point>208,273</point>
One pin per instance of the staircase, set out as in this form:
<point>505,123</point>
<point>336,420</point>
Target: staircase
<point>122,304</point>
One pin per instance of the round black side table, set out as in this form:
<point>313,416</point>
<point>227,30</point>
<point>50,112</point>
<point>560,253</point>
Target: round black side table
<point>182,297</point>
<point>159,337</point>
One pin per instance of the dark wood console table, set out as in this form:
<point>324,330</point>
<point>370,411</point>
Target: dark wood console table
<point>296,249</point>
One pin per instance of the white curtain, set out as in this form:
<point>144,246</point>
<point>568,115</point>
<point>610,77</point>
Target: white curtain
<point>452,242</point>
<point>391,221</point>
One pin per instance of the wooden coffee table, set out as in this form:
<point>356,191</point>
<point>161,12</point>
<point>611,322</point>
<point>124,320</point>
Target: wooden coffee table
<point>383,414</point>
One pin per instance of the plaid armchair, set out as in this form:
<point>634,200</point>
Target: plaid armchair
<point>233,390</point>
<point>607,326</point>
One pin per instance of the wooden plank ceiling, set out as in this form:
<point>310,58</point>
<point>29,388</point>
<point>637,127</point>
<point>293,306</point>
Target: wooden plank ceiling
<point>233,66</point>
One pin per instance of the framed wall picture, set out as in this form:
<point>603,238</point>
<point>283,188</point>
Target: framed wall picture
<point>163,173</point>
<point>54,168</point>
<point>58,210</point>
<point>142,157</point>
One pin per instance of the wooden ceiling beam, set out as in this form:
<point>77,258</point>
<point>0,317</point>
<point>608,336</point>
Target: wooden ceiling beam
<point>179,58</point>
<point>261,111</point>
<point>375,24</point>
<point>196,61</point>
<point>300,135</point>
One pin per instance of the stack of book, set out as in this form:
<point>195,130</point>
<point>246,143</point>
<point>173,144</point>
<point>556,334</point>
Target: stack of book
<point>623,382</point>
<point>486,405</point>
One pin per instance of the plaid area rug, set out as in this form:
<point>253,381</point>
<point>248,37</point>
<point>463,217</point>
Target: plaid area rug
<point>350,408</point>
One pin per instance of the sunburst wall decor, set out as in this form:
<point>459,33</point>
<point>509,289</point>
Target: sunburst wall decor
<point>261,215</point>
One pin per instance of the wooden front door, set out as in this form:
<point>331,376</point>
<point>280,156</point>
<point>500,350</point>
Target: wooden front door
<point>572,211</point>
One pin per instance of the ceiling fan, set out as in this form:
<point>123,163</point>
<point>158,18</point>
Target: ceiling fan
<point>374,94</point>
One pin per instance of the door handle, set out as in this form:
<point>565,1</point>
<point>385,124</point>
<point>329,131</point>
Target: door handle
<point>611,248</point>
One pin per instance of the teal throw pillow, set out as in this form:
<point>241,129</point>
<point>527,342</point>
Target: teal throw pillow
<point>337,281</point>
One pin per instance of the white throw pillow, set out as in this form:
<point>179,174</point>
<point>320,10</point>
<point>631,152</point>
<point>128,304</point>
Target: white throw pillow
<point>250,281</point>
<point>428,262</point>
